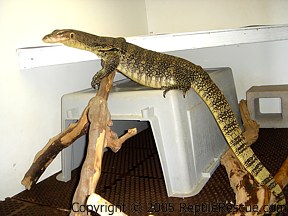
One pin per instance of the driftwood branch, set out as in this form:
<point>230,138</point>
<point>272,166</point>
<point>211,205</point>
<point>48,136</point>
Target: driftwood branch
<point>248,192</point>
<point>96,118</point>
<point>115,143</point>
<point>281,176</point>
<point>44,157</point>
<point>251,127</point>
<point>100,136</point>
<point>103,207</point>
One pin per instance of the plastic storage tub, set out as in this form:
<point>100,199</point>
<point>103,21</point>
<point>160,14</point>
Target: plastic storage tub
<point>188,140</point>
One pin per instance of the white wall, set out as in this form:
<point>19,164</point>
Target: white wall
<point>30,99</point>
<point>170,16</point>
<point>252,64</point>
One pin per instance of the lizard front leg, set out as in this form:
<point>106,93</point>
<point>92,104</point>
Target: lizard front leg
<point>108,66</point>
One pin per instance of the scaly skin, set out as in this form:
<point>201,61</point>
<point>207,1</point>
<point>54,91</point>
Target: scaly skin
<point>158,70</point>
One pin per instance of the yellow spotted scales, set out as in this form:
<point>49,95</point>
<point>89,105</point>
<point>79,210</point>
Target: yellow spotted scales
<point>162,71</point>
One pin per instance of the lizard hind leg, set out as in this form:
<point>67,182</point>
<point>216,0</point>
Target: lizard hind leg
<point>184,89</point>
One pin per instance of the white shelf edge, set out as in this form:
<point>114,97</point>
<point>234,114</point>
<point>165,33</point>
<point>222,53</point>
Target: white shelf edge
<point>32,57</point>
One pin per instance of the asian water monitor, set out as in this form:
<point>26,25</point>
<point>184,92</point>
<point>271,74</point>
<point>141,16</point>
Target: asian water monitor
<point>162,71</point>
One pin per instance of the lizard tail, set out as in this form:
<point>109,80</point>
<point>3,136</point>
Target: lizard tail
<point>232,132</point>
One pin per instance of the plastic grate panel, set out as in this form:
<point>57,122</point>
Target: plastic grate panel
<point>52,192</point>
<point>13,207</point>
<point>272,148</point>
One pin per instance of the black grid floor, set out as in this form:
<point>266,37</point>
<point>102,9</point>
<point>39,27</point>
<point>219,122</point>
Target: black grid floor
<point>133,178</point>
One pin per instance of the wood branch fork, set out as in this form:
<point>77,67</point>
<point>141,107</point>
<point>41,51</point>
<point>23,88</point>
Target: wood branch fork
<point>95,118</point>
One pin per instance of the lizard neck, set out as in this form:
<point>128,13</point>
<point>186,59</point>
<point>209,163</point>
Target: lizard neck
<point>99,45</point>
<point>85,46</point>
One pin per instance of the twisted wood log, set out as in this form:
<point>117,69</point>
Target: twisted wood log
<point>103,207</point>
<point>248,192</point>
<point>44,157</point>
<point>100,136</point>
<point>96,118</point>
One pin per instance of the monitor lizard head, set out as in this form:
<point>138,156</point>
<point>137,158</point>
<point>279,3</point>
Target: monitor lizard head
<point>86,41</point>
<point>59,36</point>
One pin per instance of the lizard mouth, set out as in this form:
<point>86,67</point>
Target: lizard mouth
<point>50,38</point>
<point>59,36</point>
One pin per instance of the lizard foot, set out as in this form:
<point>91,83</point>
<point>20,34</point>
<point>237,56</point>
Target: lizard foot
<point>100,75</point>
<point>184,89</point>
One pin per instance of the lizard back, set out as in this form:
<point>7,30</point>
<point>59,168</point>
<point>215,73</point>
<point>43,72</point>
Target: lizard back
<point>159,70</point>
<point>153,69</point>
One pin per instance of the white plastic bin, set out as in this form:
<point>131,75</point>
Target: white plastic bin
<point>188,140</point>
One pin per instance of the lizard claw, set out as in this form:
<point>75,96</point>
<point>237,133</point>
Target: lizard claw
<point>96,80</point>
<point>95,83</point>
<point>166,89</point>
<point>164,93</point>
<point>184,91</point>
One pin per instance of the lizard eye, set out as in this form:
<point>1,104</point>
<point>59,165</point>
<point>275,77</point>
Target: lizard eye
<point>72,35</point>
